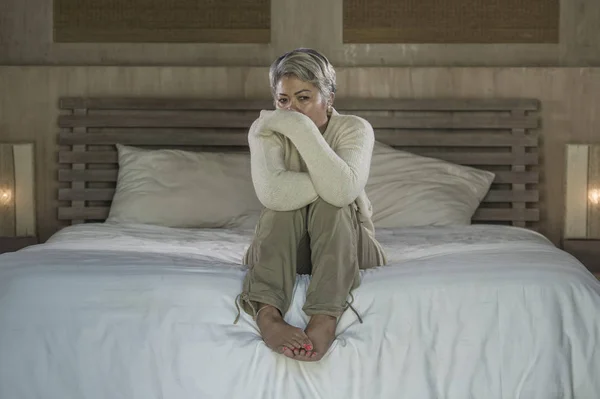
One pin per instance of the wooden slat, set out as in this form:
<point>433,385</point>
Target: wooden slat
<point>445,139</point>
<point>464,158</point>
<point>482,214</point>
<point>106,194</point>
<point>512,196</point>
<point>231,138</point>
<point>517,177</point>
<point>163,104</point>
<point>81,213</point>
<point>506,215</point>
<point>184,120</point>
<point>191,120</point>
<point>90,175</point>
<point>480,158</point>
<point>350,104</point>
<point>437,104</point>
<point>7,191</point>
<point>87,194</point>
<point>198,138</point>
<point>455,121</point>
<point>24,190</point>
<point>100,175</point>
<point>88,157</point>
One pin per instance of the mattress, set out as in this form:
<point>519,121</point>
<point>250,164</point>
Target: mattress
<point>133,311</point>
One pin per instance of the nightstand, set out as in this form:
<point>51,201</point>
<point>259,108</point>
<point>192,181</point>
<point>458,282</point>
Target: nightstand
<point>11,244</point>
<point>587,251</point>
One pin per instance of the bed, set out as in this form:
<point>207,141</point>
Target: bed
<point>112,308</point>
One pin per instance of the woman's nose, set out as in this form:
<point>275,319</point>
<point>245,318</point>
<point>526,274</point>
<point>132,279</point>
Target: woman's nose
<point>293,106</point>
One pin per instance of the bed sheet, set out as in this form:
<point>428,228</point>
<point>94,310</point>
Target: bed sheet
<point>147,312</point>
<point>227,245</point>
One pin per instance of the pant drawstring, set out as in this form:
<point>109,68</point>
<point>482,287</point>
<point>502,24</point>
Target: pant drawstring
<point>349,305</point>
<point>246,298</point>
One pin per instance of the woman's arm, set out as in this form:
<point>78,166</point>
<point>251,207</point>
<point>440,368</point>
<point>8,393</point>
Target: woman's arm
<point>276,187</point>
<point>338,176</point>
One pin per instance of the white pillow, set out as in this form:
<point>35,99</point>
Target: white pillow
<point>184,189</point>
<point>408,190</point>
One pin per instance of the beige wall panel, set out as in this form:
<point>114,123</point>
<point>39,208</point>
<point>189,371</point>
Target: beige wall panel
<point>24,190</point>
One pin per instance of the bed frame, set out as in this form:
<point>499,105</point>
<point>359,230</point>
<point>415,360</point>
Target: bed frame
<point>494,134</point>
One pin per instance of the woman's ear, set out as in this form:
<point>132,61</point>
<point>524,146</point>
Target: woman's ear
<point>330,104</point>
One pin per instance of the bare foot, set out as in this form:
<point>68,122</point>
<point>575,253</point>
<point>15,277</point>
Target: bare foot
<point>321,331</point>
<point>279,335</point>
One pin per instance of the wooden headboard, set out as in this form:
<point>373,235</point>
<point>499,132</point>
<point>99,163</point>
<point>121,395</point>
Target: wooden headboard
<point>494,134</point>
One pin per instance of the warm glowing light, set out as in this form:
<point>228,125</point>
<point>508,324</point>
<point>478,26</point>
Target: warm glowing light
<point>594,196</point>
<point>5,196</point>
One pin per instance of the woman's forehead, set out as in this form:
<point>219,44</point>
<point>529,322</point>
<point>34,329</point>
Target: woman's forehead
<point>293,85</point>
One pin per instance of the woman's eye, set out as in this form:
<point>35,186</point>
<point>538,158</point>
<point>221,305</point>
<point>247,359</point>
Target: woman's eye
<point>282,100</point>
<point>303,98</point>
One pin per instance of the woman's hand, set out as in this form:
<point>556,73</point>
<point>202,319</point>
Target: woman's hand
<point>259,127</point>
<point>286,122</point>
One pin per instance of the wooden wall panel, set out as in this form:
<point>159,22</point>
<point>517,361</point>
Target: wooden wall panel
<point>24,190</point>
<point>451,21</point>
<point>569,98</point>
<point>167,21</point>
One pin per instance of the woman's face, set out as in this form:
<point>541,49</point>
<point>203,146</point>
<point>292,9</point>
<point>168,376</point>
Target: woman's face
<point>294,94</point>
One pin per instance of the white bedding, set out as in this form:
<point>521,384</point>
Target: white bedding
<point>108,311</point>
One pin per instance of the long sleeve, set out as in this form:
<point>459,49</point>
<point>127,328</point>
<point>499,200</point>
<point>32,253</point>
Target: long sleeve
<point>338,176</point>
<point>276,187</point>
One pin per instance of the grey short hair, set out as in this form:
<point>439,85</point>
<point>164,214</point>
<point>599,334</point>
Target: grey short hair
<point>307,65</point>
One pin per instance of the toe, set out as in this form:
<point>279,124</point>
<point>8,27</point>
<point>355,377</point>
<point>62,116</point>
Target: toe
<point>293,344</point>
<point>298,343</point>
<point>305,341</point>
<point>287,352</point>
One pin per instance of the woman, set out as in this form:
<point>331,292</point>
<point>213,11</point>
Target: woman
<point>309,167</point>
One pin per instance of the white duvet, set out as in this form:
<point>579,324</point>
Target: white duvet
<point>138,312</point>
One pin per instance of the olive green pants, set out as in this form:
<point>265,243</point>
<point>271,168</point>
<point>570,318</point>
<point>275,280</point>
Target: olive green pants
<point>320,239</point>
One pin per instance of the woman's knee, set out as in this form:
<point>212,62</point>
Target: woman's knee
<point>323,217</point>
<point>324,208</point>
<point>280,219</point>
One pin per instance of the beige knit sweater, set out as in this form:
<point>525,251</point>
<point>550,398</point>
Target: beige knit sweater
<point>293,163</point>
